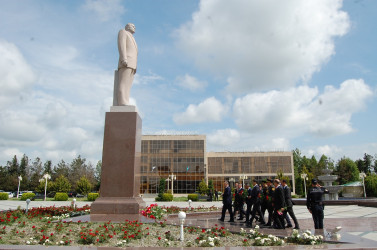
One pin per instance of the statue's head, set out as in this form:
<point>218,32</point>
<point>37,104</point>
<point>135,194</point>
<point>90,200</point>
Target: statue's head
<point>130,27</point>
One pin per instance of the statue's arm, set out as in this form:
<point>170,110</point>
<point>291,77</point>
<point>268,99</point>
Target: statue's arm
<point>122,47</point>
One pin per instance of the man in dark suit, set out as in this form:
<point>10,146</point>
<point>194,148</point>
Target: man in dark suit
<point>255,200</point>
<point>289,203</point>
<point>314,203</point>
<point>227,202</point>
<point>278,205</point>
<point>269,196</point>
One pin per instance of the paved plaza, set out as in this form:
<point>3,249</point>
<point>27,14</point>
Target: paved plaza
<point>359,224</point>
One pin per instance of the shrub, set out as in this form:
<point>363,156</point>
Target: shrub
<point>193,197</point>
<point>167,197</point>
<point>92,196</point>
<point>61,184</point>
<point>83,186</point>
<point>61,197</point>
<point>4,196</point>
<point>26,196</point>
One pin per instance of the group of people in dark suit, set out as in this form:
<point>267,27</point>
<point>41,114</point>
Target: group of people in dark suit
<point>271,196</point>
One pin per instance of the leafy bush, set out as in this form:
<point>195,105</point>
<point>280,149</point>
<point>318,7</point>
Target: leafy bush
<point>371,185</point>
<point>167,197</point>
<point>4,196</point>
<point>193,197</point>
<point>83,186</point>
<point>92,196</point>
<point>26,196</point>
<point>61,184</point>
<point>61,197</point>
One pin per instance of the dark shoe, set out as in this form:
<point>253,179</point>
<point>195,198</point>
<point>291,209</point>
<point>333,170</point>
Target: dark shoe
<point>288,226</point>
<point>231,220</point>
<point>267,225</point>
<point>240,219</point>
<point>296,227</point>
<point>221,219</point>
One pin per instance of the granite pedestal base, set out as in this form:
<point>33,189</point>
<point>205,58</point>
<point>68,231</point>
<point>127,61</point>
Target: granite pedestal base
<point>120,177</point>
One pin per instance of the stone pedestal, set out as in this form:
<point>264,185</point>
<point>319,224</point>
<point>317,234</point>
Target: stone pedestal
<point>120,178</point>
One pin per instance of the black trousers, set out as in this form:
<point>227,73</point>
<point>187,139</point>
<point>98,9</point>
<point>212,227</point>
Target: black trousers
<point>229,208</point>
<point>318,215</point>
<point>289,211</point>
<point>256,209</point>
<point>241,210</point>
<point>278,220</point>
<point>248,210</point>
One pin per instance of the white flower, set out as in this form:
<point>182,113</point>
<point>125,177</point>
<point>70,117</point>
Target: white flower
<point>262,241</point>
<point>312,242</point>
<point>282,242</point>
<point>256,226</point>
<point>212,244</point>
<point>28,242</point>
<point>210,239</point>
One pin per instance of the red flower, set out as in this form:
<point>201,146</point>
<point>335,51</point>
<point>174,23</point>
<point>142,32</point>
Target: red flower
<point>159,238</point>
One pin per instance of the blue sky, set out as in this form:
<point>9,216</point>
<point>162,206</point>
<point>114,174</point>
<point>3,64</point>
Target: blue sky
<point>251,75</point>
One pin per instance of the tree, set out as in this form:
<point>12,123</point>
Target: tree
<point>371,185</point>
<point>36,174</point>
<point>83,186</point>
<point>281,177</point>
<point>161,189</point>
<point>47,167</point>
<point>347,170</point>
<point>61,169</point>
<point>202,187</point>
<point>211,187</point>
<point>61,184</point>
<point>97,174</point>
<point>41,186</point>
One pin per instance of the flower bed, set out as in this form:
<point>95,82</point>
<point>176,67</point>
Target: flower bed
<point>37,227</point>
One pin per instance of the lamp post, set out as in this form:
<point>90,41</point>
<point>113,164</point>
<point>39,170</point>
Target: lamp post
<point>182,217</point>
<point>304,176</point>
<point>189,202</point>
<point>19,181</point>
<point>45,177</point>
<point>362,176</point>
<point>243,177</point>
<point>172,178</point>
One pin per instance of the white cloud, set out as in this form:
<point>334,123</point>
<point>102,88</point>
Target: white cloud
<point>210,110</point>
<point>17,77</point>
<point>191,83</point>
<point>224,138</point>
<point>105,10</point>
<point>259,45</point>
<point>300,110</point>
<point>147,79</point>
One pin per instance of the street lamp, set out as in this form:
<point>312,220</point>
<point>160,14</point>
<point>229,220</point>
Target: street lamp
<point>243,177</point>
<point>172,178</point>
<point>304,176</point>
<point>19,181</point>
<point>362,176</point>
<point>45,177</point>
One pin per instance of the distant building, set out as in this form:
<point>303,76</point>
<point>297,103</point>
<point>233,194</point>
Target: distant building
<point>183,158</point>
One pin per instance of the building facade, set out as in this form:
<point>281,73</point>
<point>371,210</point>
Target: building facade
<point>183,161</point>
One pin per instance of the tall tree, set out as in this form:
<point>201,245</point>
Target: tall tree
<point>37,172</point>
<point>48,167</point>
<point>62,169</point>
<point>347,170</point>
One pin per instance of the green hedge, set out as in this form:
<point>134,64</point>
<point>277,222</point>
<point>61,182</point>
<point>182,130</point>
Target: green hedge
<point>92,196</point>
<point>193,197</point>
<point>61,197</point>
<point>4,196</point>
<point>167,197</point>
<point>26,196</point>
